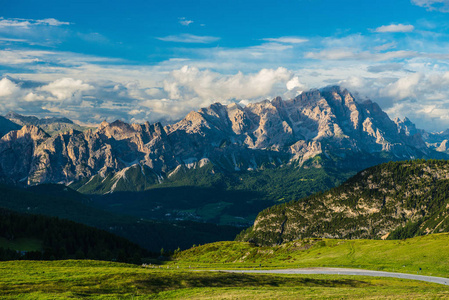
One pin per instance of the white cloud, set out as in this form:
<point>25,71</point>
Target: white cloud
<point>423,97</point>
<point>7,87</point>
<point>189,38</point>
<point>294,84</point>
<point>52,22</point>
<point>403,87</point>
<point>13,40</point>
<point>385,46</point>
<point>9,57</point>
<point>184,22</point>
<point>26,23</point>
<point>30,97</point>
<point>395,28</point>
<point>66,88</point>
<point>332,54</point>
<point>439,5</point>
<point>349,54</point>
<point>270,47</point>
<point>287,40</point>
<point>385,67</point>
<point>210,86</point>
<point>14,23</point>
<point>100,88</point>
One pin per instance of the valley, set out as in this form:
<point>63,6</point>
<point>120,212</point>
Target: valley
<point>320,180</point>
<point>224,149</point>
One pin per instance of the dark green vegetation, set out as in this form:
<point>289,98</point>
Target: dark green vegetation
<point>36,237</point>
<point>428,253</point>
<point>60,201</point>
<point>209,194</point>
<point>103,280</point>
<point>394,200</point>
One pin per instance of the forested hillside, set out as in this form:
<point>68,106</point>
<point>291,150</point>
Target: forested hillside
<point>36,237</point>
<point>391,200</point>
<point>61,201</point>
<point>213,195</point>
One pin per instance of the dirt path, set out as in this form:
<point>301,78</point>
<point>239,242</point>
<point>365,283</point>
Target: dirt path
<point>344,271</point>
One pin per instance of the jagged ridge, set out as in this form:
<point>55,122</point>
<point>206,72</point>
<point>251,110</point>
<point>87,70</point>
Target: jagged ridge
<point>327,122</point>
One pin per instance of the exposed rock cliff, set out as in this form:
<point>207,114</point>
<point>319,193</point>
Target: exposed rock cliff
<point>327,122</point>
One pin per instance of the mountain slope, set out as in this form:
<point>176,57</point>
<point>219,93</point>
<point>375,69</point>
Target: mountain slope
<point>327,122</point>
<point>7,126</point>
<point>398,198</point>
<point>210,194</point>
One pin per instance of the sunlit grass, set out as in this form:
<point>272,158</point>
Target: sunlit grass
<point>426,255</point>
<point>107,280</point>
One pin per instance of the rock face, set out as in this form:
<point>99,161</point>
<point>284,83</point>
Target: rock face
<point>434,140</point>
<point>326,122</point>
<point>17,150</point>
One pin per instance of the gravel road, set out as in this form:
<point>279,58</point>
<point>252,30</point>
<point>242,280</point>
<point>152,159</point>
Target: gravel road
<point>345,271</point>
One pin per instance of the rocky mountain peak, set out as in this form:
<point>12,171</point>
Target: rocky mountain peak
<point>103,125</point>
<point>318,122</point>
<point>28,131</point>
<point>406,125</point>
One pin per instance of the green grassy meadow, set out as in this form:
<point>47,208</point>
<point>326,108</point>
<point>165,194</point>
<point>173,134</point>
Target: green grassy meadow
<point>189,274</point>
<point>406,256</point>
<point>73,279</point>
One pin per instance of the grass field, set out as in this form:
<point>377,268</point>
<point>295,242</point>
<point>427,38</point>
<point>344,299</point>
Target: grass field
<point>106,280</point>
<point>186,277</point>
<point>407,256</point>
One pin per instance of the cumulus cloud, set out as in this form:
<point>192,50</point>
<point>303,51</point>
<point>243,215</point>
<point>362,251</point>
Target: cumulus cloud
<point>190,81</point>
<point>294,84</point>
<point>395,28</point>
<point>189,38</point>
<point>403,87</point>
<point>7,87</point>
<point>439,5</point>
<point>189,88</point>
<point>91,89</point>
<point>66,88</point>
<point>183,90</point>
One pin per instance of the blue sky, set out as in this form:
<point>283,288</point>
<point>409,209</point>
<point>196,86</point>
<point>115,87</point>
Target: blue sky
<point>157,60</point>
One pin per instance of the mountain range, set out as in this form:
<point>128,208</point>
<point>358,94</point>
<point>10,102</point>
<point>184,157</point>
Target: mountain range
<point>221,165</point>
<point>328,123</point>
